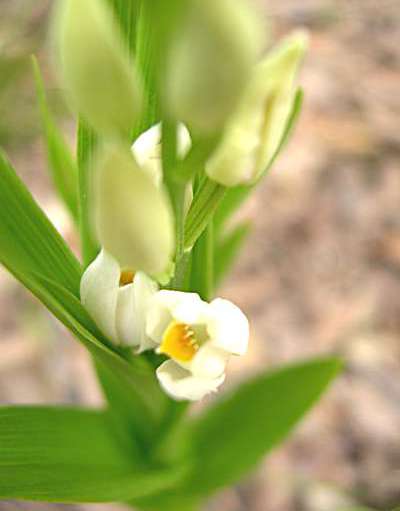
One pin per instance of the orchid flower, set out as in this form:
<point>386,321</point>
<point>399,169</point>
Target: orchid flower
<point>117,301</point>
<point>198,337</point>
<point>147,151</point>
<point>132,217</point>
<point>254,131</point>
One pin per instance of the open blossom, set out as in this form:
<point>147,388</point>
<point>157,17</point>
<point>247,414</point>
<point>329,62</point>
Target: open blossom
<point>198,337</point>
<point>117,301</point>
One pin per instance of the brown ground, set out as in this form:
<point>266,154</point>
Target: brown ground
<point>320,273</point>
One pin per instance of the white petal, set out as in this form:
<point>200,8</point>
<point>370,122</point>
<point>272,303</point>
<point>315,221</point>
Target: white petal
<point>125,316</point>
<point>167,306</point>
<point>99,292</point>
<point>190,309</point>
<point>184,141</point>
<point>209,362</point>
<point>180,384</point>
<point>147,151</point>
<point>158,317</point>
<point>133,301</point>
<point>145,288</point>
<point>228,327</point>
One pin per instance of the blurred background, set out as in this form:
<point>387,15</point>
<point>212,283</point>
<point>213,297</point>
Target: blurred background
<point>320,273</point>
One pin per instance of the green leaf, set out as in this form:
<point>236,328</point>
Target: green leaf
<point>70,455</point>
<point>28,241</point>
<point>228,249</point>
<point>235,197</point>
<point>228,439</point>
<point>147,65</point>
<point>61,163</point>
<point>35,254</point>
<point>127,12</point>
<point>131,387</point>
<point>203,207</point>
<point>87,143</point>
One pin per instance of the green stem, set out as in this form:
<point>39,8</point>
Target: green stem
<point>176,190</point>
<point>202,276</point>
<point>86,146</point>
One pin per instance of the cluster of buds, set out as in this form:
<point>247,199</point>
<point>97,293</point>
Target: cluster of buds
<point>212,87</point>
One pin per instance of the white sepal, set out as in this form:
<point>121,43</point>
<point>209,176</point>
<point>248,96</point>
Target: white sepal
<point>99,292</point>
<point>181,385</point>
<point>228,327</point>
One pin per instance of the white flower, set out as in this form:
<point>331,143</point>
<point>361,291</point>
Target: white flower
<point>198,337</point>
<point>132,217</point>
<point>117,301</point>
<point>147,150</point>
<point>254,131</point>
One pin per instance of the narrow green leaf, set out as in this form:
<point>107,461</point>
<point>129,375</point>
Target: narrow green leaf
<point>87,142</point>
<point>33,251</point>
<point>127,12</point>
<point>203,207</point>
<point>131,387</point>
<point>61,163</point>
<point>228,249</point>
<point>69,455</point>
<point>235,197</point>
<point>146,62</point>
<point>229,438</point>
<point>28,241</point>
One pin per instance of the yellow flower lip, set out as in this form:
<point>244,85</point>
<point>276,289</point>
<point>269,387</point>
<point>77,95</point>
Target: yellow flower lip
<point>126,277</point>
<point>179,342</point>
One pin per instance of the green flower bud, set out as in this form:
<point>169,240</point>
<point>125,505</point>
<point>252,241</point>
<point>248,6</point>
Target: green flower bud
<point>99,78</point>
<point>132,215</point>
<point>255,130</point>
<point>209,62</point>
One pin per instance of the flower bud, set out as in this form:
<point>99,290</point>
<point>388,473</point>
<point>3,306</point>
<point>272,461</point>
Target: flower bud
<point>255,130</point>
<point>132,216</point>
<point>209,61</point>
<point>99,78</point>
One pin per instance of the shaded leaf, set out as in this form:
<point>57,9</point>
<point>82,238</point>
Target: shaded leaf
<point>69,455</point>
<point>28,241</point>
<point>61,163</point>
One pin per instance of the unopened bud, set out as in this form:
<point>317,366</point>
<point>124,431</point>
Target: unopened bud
<point>99,77</point>
<point>132,216</point>
<point>209,62</point>
<point>255,130</point>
